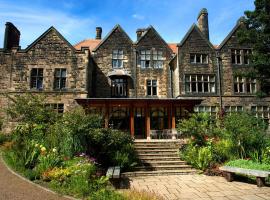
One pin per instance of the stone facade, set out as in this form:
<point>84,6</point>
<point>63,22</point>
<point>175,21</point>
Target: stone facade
<point>49,52</point>
<point>192,68</point>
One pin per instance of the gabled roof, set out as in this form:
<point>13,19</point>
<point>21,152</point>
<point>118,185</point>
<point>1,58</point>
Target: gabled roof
<point>235,28</point>
<point>90,43</point>
<point>147,31</point>
<point>46,33</point>
<point>195,27</point>
<point>109,34</point>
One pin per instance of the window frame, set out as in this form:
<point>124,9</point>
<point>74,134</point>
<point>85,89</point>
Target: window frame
<point>151,87</point>
<point>118,58</point>
<point>201,58</point>
<point>190,82</point>
<point>246,83</point>
<point>60,81</point>
<point>38,78</point>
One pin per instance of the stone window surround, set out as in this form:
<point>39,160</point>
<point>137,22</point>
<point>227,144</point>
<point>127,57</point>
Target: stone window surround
<point>200,85</point>
<point>233,109</point>
<point>212,110</point>
<point>244,85</point>
<point>118,58</point>
<point>151,87</point>
<point>151,58</point>
<point>240,56</point>
<point>36,79</point>
<point>262,111</point>
<point>204,58</point>
<point>57,107</point>
<point>61,79</point>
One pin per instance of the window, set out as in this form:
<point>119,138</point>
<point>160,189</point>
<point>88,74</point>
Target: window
<point>157,59</point>
<point>57,107</point>
<point>117,59</point>
<point>151,87</point>
<point>212,110</point>
<point>200,84</point>
<point>240,56</point>
<point>36,81</point>
<point>245,85</point>
<point>119,87</point>
<point>246,55</point>
<point>156,56</point>
<point>60,79</point>
<point>198,58</point>
<point>262,112</point>
<point>145,58</point>
<point>232,109</point>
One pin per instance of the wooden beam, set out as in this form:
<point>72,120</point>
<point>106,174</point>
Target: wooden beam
<point>147,122</point>
<point>173,116</point>
<point>131,119</point>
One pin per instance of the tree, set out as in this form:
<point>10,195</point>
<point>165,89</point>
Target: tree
<point>258,35</point>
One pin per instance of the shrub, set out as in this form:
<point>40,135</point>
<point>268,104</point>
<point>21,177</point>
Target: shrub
<point>247,133</point>
<point>223,150</point>
<point>200,127</point>
<point>4,138</point>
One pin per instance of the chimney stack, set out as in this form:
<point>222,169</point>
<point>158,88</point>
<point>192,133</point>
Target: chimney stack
<point>98,33</point>
<point>203,22</point>
<point>12,36</point>
<point>139,32</point>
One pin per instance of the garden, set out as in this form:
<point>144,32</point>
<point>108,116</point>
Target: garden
<point>68,152</point>
<point>235,139</point>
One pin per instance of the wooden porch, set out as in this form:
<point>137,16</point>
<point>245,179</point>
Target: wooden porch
<point>152,118</point>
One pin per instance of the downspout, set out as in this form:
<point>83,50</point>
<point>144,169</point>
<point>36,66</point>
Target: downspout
<point>219,80</point>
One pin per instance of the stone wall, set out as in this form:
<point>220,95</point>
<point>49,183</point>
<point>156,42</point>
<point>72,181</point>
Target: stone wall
<point>48,52</point>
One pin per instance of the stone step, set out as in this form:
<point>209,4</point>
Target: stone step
<point>158,154</point>
<point>162,167</point>
<point>163,162</point>
<point>157,151</point>
<point>159,158</point>
<point>155,148</point>
<point>159,173</point>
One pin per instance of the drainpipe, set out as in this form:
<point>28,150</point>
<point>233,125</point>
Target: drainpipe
<point>135,67</point>
<point>219,80</point>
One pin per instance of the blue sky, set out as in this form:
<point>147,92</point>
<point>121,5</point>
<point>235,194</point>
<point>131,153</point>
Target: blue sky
<point>77,19</point>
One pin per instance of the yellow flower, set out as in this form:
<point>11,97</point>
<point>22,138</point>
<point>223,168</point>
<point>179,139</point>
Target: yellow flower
<point>43,149</point>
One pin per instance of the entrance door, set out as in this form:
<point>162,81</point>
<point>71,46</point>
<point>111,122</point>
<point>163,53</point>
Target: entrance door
<point>139,123</point>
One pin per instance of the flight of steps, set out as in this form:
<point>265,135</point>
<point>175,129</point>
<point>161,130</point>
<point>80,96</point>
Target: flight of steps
<point>159,158</point>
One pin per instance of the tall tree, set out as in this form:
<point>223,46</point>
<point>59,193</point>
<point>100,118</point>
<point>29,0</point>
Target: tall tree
<point>258,35</point>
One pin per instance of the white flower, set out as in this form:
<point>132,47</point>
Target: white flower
<point>36,145</point>
<point>54,150</point>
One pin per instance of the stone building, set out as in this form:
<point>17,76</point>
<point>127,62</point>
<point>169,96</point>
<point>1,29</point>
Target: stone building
<point>137,86</point>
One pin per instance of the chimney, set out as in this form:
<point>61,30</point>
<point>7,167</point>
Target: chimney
<point>203,22</point>
<point>139,32</point>
<point>98,33</point>
<point>12,36</point>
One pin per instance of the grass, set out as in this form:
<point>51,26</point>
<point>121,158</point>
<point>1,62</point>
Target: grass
<point>248,164</point>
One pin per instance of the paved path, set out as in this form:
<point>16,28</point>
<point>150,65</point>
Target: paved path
<point>199,187</point>
<point>13,187</point>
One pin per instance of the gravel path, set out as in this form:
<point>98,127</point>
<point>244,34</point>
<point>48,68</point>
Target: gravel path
<point>13,187</point>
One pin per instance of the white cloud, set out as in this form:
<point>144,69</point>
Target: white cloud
<point>33,22</point>
<point>137,16</point>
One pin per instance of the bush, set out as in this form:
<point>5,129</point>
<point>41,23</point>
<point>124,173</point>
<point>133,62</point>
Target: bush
<point>223,150</point>
<point>247,133</point>
<point>200,127</point>
<point>4,138</point>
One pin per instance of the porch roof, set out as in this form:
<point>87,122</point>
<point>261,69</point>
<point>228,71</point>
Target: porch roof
<point>179,100</point>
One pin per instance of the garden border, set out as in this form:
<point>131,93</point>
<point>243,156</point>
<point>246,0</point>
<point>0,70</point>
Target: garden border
<point>31,182</point>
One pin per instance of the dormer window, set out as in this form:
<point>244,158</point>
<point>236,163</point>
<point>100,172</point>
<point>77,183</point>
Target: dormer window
<point>117,59</point>
<point>198,58</point>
